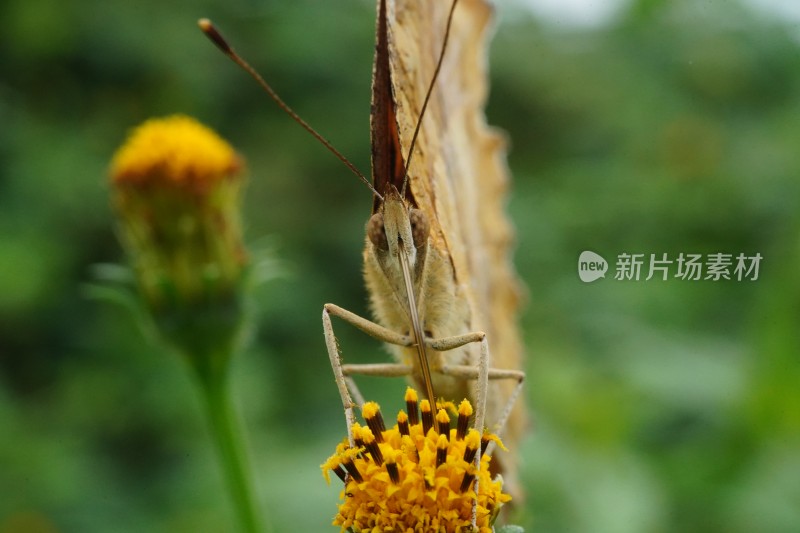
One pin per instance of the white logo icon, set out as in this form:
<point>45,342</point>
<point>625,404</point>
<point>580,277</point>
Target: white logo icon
<point>591,266</point>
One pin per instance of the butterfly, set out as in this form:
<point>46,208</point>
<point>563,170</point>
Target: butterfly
<point>452,181</point>
<point>437,250</point>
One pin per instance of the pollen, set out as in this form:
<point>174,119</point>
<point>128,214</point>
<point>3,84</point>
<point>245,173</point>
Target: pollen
<point>402,423</point>
<point>464,412</point>
<point>415,479</point>
<point>443,422</point>
<point>441,450</point>
<point>427,416</point>
<point>411,405</point>
<point>372,415</point>
<point>175,150</point>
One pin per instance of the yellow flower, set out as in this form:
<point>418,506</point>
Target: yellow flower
<point>420,475</point>
<point>176,187</point>
<point>174,151</point>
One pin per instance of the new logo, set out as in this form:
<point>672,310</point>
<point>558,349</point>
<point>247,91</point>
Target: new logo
<point>591,266</point>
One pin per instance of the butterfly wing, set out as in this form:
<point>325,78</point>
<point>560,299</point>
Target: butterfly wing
<point>388,168</point>
<point>458,174</point>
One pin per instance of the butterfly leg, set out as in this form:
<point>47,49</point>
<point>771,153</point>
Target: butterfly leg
<point>342,373</point>
<point>470,372</point>
<point>483,374</point>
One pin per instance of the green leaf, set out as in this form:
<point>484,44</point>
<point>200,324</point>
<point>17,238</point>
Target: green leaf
<point>510,529</point>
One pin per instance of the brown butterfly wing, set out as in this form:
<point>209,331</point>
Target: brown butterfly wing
<point>458,174</point>
<point>388,168</point>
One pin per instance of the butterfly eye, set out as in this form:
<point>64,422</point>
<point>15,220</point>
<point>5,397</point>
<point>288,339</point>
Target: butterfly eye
<point>377,233</point>
<point>419,227</point>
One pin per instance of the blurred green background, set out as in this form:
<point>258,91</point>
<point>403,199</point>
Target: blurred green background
<point>658,405</point>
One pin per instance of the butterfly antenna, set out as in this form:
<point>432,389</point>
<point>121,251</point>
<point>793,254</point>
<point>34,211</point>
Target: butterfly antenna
<point>214,35</point>
<point>428,96</point>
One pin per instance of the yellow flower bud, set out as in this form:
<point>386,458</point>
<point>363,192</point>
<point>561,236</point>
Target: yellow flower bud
<point>176,187</point>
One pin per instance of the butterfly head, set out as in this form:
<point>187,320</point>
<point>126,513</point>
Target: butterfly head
<point>398,227</point>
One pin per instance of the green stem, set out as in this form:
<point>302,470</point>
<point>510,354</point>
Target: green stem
<point>227,437</point>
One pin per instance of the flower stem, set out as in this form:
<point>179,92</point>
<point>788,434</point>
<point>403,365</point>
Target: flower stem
<point>227,437</point>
